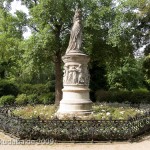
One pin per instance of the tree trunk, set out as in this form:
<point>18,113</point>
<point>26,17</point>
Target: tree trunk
<point>58,79</point>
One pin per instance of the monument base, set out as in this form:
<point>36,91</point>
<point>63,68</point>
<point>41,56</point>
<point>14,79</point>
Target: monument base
<point>75,101</point>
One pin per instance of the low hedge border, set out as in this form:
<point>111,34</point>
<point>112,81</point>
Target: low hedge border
<point>74,130</point>
<point>132,97</point>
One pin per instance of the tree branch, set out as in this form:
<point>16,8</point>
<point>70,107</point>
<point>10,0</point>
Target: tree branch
<point>34,28</point>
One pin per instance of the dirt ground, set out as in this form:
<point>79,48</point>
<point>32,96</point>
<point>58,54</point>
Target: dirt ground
<point>5,144</point>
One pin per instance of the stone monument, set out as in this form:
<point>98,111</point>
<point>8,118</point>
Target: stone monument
<point>76,77</point>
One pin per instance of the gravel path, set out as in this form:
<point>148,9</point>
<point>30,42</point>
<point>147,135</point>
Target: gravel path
<point>143,145</point>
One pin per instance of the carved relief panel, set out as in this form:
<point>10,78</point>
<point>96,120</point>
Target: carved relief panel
<point>76,74</point>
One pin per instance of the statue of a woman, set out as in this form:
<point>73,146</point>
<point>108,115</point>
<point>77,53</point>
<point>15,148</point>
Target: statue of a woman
<point>76,34</point>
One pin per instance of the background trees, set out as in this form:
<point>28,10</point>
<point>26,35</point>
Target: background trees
<point>51,22</point>
<point>113,31</point>
<point>128,75</point>
<point>11,30</point>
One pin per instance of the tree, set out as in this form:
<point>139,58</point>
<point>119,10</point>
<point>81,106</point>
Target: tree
<point>35,65</point>
<point>130,28</point>
<point>147,50</point>
<point>146,70</point>
<point>127,76</point>
<point>11,31</point>
<point>98,79</point>
<point>51,22</point>
<point>109,30</point>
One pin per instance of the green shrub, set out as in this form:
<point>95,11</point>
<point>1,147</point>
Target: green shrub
<point>26,88</point>
<point>102,95</point>
<point>33,99</point>
<point>40,89</point>
<point>137,96</point>
<point>21,99</point>
<point>120,97</point>
<point>36,93</point>
<point>140,97</point>
<point>24,99</point>
<point>140,90</point>
<point>146,70</point>
<point>47,98</point>
<point>51,86</point>
<point>7,100</point>
<point>34,89</point>
<point>8,88</point>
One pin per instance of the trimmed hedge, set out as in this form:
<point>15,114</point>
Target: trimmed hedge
<point>123,96</point>
<point>51,85</point>
<point>47,98</point>
<point>36,94</point>
<point>33,99</point>
<point>8,88</point>
<point>21,99</point>
<point>27,93</point>
<point>7,100</point>
<point>38,89</point>
<point>34,89</point>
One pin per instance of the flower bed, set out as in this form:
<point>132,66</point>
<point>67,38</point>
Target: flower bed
<point>103,111</point>
<point>75,129</point>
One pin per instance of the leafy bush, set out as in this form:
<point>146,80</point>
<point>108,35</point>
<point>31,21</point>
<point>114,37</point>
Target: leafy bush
<point>125,75</point>
<point>21,99</point>
<point>34,89</point>
<point>38,93</point>
<point>33,99</point>
<point>140,90</point>
<point>26,88</point>
<point>48,98</point>
<point>8,88</point>
<point>7,100</point>
<point>39,89</point>
<point>140,97</point>
<point>146,70</point>
<point>123,96</point>
<point>98,79</point>
<point>51,86</point>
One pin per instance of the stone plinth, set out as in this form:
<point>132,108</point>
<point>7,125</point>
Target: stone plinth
<point>76,78</point>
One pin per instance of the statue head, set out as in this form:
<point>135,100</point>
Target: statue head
<point>77,15</point>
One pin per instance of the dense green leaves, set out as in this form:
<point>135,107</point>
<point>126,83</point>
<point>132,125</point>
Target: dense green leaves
<point>146,70</point>
<point>111,32</point>
<point>127,75</point>
<point>11,31</point>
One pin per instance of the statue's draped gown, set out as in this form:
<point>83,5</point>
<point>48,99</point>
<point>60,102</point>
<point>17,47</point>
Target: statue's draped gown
<point>76,35</point>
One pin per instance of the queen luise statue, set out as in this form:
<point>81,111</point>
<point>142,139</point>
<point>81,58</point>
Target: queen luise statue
<point>76,77</point>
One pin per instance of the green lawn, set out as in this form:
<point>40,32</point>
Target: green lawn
<point>100,112</point>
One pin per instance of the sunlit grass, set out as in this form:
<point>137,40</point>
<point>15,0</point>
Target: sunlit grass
<point>100,112</point>
<point>121,113</point>
<point>41,111</point>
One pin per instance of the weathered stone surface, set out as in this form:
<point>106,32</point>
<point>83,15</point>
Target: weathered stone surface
<point>76,34</point>
<point>75,70</point>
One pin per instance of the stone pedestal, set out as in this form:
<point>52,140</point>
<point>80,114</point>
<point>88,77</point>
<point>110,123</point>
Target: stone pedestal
<point>76,78</point>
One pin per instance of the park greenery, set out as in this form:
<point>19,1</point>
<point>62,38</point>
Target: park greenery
<point>114,30</point>
<point>100,112</point>
<point>38,122</point>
